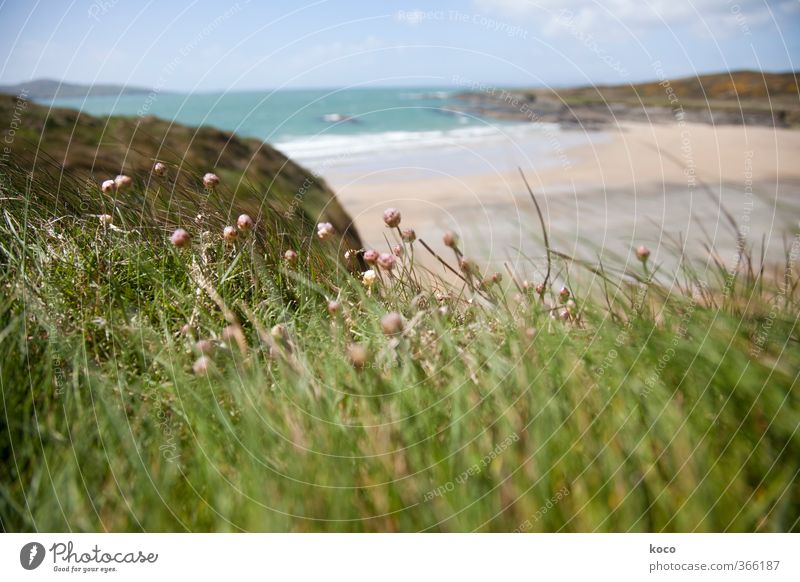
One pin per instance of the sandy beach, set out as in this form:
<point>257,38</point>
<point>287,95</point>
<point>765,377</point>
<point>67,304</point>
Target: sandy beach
<point>634,184</point>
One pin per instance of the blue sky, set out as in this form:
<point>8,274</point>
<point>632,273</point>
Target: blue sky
<point>206,45</point>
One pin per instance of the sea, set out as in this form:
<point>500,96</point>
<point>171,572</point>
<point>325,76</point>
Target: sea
<point>360,129</point>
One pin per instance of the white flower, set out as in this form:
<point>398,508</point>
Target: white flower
<point>369,277</point>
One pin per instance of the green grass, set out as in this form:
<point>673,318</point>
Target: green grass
<point>647,409</point>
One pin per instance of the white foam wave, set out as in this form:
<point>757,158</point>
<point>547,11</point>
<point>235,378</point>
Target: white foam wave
<point>327,146</point>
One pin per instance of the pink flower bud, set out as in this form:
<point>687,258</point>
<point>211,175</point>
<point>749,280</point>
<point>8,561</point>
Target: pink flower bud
<point>409,235</point>
<point>386,261</point>
<point>333,307</point>
<point>105,219</point>
<point>564,294</point>
<point>391,216</point>
<point>450,239</point>
<point>210,181</point>
<point>159,169</point>
<point>371,256</point>
<point>180,238</point>
<point>205,347</point>
<point>643,253</point>
<point>392,323</point>
<point>244,222</point>
<point>290,256</point>
<point>325,230</point>
<point>123,182</point>
<point>398,250</point>
<point>202,366</point>
<point>229,234</point>
<point>108,186</point>
<point>540,288</point>
<point>468,266</point>
<point>357,355</point>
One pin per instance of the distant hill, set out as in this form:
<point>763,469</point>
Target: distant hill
<point>38,89</point>
<point>747,87</point>
<point>738,97</point>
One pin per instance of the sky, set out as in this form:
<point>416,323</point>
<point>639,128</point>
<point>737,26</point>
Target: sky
<point>206,45</point>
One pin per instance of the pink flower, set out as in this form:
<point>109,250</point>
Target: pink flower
<point>205,347</point>
<point>244,222</point>
<point>643,253</point>
<point>386,261</point>
<point>122,181</point>
<point>409,235</point>
<point>564,294</point>
<point>450,239</point>
<point>325,230</point>
<point>333,307</point>
<point>391,216</point>
<point>392,323</point>
<point>108,186</point>
<point>290,256</point>
<point>210,180</point>
<point>202,365</point>
<point>398,250</point>
<point>357,355</point>
<point>371,256</point>
<point>540,288</point>
<point>180,238</point>
<point>229,234</point>
<point>159,169</point>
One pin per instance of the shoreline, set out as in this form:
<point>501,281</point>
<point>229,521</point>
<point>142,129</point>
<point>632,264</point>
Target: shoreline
<point>641,186</point>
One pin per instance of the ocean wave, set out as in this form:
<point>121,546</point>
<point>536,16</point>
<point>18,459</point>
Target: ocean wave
<point>326,146</point>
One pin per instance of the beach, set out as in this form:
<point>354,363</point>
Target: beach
<point>602,193</point>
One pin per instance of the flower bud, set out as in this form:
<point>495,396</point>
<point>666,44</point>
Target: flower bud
<point>357,355</point>
<point>159,169</point>
<point>105,219</point>
<point>210,181</point>
<point>450,239</point>
<point>386,261</point>
<point>397,250</point>
<point>180,238</point>
<point>123,182</point>
<point>333,307</point>
<point>108,186</point>
<point>229,234</point>
<point>391,216</point>
<point>202,366</point>
<point>409,235</point>
<point>392,323</point>
<point>369,277</point>
<point>290,256</point>
<point>325,230</point>
<point>371,256</point>
<point>643,253</point>
<point>563,294</point>
<point>244,222</point>
<point>205,347</point>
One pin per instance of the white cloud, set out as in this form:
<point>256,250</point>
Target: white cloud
<point>721,16</point>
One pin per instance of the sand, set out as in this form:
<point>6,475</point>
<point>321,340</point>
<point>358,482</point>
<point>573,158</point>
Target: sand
<point>639,184</point>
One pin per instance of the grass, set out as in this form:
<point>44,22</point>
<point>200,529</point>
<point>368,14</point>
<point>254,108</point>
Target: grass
<point>640,407</point>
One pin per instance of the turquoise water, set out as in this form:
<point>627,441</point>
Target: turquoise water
<point>361,129</point>
<point>291,115</point>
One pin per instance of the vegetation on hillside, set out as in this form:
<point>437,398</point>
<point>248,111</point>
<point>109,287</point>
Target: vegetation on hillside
<point>226,386</point>
<point>83,147</point>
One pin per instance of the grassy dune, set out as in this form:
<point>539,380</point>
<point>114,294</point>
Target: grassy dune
<point>488,407</point>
